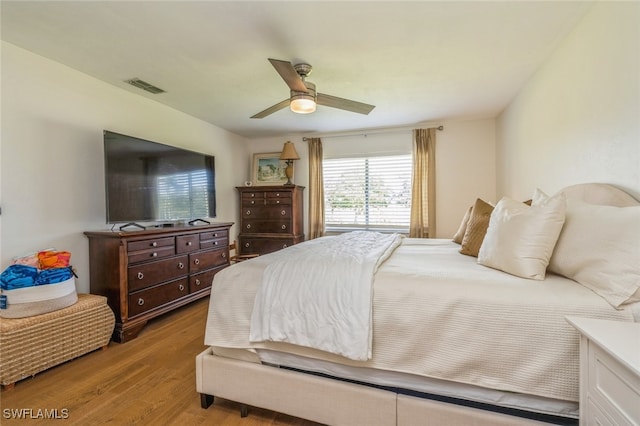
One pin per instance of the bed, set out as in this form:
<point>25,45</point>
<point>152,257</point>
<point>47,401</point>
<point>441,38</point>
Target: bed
<point>446,340</point>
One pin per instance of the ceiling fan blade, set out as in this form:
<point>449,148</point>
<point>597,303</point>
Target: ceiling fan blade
<point>346,104</point>
<point>289,75</point>
<point>272,109</point>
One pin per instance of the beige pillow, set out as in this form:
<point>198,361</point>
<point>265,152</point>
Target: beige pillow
<point>457,237</point>
<point>476,228</point>
<point>599,247</point>
<point>520,239</point>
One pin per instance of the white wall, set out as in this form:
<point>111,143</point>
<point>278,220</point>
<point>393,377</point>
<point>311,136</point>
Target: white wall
<point>51,164</point>
<point>465,162</point>
<point>465,170</point>
<point>578,119</point>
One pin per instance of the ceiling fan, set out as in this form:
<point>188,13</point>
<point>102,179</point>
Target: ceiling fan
<point>303,97</point>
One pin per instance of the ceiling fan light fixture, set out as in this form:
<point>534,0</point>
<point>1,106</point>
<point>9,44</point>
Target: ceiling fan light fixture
<point>302,104</point>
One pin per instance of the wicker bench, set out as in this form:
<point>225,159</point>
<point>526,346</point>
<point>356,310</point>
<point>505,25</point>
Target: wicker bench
<point>33,344</point>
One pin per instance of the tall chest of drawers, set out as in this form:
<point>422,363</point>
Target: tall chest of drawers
<point>271,218</point>
<point>147,273</point>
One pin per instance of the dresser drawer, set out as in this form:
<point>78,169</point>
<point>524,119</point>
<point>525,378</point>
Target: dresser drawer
<point>253,195</point>
<point>278,201</point>
<point>272,212</point>
<point>613,387</point>
<point>146,255</point>
<point>264,227</point>
<point>153,297</point>
<point>281,195</point>
<point>597,416</point>
<point>264,245</point>
<point>214,239</point>
<point>208,259</point>
<point>214,235</point>
<point>202,280</point>
<point>150,244</point>
<point>150,273</point>
<point>187,243</point>
<point>219,243</point>
<point>252,202</point>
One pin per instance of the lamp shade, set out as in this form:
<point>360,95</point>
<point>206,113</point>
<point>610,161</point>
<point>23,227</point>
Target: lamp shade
<point>289,152</point>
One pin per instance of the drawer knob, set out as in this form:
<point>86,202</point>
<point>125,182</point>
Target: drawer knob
<point>181,287</point>
<point>253,201</point>
<point>285,245</point>
<point>283,212</point>
<point>140,301</point>
<point>140,275</point>
<point>248,226</point>
<point>154,254</point>
<point>154,244</point>
<point>224,255</point>
<point>189,243</point>
<point>277,194</point>
<point>278,202</point>
<point>180,265</point>
<point>197,282</point>
<point>196,261</point>
<point>247,245</point>
<point>248,212</point>
<point>253,195</point>
<point>215,235</point>
<point>215,243</point>
<point>284,226</point>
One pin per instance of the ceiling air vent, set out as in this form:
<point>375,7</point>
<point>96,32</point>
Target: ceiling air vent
<point>140,84</point>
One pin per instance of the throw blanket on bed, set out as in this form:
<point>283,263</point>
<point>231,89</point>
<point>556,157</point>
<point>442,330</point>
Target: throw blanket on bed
<point>303,301</point>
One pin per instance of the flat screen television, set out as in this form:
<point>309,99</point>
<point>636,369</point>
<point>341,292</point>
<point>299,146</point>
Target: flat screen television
<point>151,182</point>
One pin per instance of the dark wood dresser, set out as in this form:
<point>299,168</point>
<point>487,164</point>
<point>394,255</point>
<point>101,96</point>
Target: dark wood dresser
<point>147,273</point>
<point>270,218</point>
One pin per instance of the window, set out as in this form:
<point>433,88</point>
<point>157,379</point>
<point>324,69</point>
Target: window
<point>371,193</point>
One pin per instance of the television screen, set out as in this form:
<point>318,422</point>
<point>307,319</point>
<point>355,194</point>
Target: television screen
<point>149,181</point>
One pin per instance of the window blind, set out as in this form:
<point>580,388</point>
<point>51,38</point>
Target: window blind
<point>372,193</point>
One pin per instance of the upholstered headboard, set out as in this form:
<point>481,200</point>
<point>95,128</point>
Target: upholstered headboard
<point>600,194</point>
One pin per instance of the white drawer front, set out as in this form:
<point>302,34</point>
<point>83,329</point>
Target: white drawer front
<point>596,416</point>
<point>613,387</point>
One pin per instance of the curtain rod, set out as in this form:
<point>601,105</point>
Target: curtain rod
<point>304,138</point>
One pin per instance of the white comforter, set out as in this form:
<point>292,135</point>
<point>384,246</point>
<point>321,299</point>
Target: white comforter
<point>437,313</point>
<point>305,302</point>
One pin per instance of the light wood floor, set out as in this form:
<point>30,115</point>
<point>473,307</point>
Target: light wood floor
<point>147,381</point>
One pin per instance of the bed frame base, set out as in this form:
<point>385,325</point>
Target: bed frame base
<point>329,401</point>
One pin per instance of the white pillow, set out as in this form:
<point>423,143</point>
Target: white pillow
<point>600,248</point>
<point>520,238</point>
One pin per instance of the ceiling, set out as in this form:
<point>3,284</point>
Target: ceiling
<point>419,61</point>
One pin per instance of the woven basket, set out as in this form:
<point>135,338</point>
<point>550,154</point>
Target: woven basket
<point>33,344</point>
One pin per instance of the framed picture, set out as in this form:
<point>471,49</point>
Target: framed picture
<point>268,169</point>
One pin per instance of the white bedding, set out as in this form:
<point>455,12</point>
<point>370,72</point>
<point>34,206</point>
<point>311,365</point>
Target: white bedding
<point>304,302</point>
<point>437,313</point>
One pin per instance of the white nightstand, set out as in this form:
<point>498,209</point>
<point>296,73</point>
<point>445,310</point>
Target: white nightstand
<point>609,371</point>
